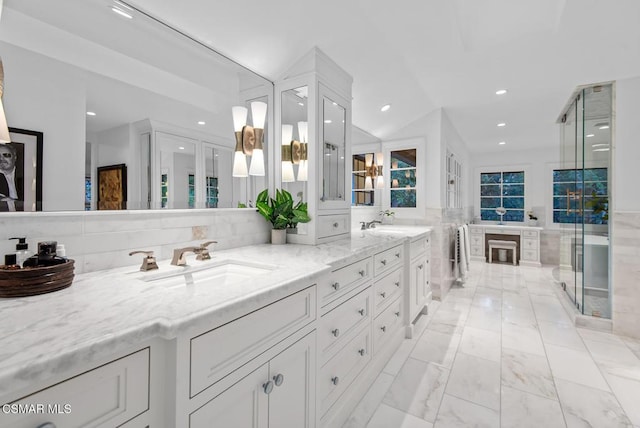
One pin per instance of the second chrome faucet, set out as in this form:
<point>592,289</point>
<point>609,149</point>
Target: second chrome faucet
<point>202,253</point>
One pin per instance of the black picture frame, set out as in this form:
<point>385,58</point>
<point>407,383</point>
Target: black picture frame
<point>112,187</point>
<point>28,169</point>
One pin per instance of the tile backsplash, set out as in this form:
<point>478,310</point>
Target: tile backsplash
<point>103,240</point>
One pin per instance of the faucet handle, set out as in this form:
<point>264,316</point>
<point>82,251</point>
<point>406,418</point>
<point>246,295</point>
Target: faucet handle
<point>363,225</point>
<point>149,262</point>
<point>203,251</point>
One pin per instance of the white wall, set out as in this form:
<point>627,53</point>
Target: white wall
<point>626,151</point>
<point>454,142</point>
<point>27,100</point>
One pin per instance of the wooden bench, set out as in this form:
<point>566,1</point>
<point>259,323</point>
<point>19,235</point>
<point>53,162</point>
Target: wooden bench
<point>502,245</point>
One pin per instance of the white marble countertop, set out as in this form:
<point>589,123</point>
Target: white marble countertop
<point>106,312</point>
<point>506,226</point>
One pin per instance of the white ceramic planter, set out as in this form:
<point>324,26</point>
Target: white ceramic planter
<point>278,236</point>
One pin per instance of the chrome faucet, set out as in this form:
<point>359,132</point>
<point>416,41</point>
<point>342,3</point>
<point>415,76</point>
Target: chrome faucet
<point>369,224</point>
<point>203,251</point>
<point>179,258</point>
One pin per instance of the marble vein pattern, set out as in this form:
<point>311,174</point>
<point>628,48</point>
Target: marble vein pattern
<point>536,370</point>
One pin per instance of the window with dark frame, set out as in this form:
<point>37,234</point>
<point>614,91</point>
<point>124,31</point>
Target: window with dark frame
<point>502,189</point>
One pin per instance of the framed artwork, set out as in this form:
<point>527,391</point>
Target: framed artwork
<point>21,171</point>
<point>112,187</point>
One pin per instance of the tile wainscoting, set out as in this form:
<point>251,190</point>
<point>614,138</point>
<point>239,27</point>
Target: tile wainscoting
<point>625,274</point>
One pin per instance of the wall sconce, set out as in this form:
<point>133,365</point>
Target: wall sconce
<point>294,152</point>
<point>249,139</point>
<point>373,171</point>
<point>4,128</point>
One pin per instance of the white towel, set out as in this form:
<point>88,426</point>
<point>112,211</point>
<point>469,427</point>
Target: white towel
<point>467,244</point>
<point>462,263</point>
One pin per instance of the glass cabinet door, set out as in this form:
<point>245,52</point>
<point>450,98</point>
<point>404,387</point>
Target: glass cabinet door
<point>334,141</point>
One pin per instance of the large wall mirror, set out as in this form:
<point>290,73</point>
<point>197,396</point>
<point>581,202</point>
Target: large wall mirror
<point>107,84</point>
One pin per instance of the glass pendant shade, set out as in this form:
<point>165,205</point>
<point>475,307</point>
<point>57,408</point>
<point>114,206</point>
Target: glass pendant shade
<point>239,117</point>
<point>240,165</point>
<point>303,170</point>
<point>380,182</point>
<point>303,132</point>
<point>258,113</point>
<point>257,163</point>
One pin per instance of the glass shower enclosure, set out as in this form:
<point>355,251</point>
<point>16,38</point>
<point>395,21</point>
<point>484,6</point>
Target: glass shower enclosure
<point>581,199</point>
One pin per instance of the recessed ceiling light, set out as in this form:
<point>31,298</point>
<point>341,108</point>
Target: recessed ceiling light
<point>502,124</point>
<point>604,127</point>
<point>385,107</point>
<point>600,145</point>
<point>590,135</point>
<point>90,113</point>
<point>301,104</point>
<point>502,143</point>
<point>501,91</point>
<point>327,121</point>
<point>121,12</point>
<point>604,149</point>
<point>181,148</point>
<point>119,3</point>
<point>202,122</point>
<point>335,103</point>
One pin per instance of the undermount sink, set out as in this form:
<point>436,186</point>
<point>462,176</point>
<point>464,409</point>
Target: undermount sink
<point>223,272</point>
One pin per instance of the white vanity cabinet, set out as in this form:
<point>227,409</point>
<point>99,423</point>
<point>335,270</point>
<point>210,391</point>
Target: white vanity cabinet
<point>113,394</point>
<point>526,237</point>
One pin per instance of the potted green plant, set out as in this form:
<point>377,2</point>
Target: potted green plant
<point>281,213</point>
<point>387,216</point>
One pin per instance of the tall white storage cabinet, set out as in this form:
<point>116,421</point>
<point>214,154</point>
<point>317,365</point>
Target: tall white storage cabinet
<point>313,126</point>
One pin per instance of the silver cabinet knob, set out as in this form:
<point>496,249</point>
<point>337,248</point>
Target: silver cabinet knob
<point>47,425</point>
<point>336,224</point>
<point>267,387</point>
<point>335,380</point>
<point>336,286</point>
<point>383,294</point>
<point>384,262</point>
<point>398,313</point>
<point>278,379</point>
<point>361,312</point>
<point>420,266</point>
<point>335,332</point>
<point>398,255</point>
<point>361,352</point>
<point>383,328</point>
<point>397,283</point>
<point>362,272</point>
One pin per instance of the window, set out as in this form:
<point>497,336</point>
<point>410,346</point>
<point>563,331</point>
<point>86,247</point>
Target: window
<point>87,193</point>
<point>502,189</point>
<point>212,192</point>
<point>164,190</point>
<point>360,195</point>
<point>192,191</point>
<point>578,193</point>
<point>403,178</point>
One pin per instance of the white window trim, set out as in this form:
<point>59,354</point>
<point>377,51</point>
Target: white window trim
<point>412,143</point>
<point>527,186</point>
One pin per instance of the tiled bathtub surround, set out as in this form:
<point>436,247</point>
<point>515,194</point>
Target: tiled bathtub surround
<point>625,258</point>
<point>102,240</point>
<point>502,352</point>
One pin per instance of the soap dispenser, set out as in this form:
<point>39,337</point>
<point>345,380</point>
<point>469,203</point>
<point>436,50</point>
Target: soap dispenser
<point>22,251</point>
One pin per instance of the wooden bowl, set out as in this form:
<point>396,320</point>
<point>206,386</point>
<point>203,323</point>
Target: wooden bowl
<point>33,281</point>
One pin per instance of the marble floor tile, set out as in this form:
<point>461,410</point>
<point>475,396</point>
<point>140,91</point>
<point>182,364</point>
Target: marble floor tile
<point>485,318</point>
<point>633,344</point>
<point>600,336</point>
<point>621,355</point>
<point>418,389</point>
<point>589,407</point>
<point>511,300</point>
<point>445,328</point>
<point>549,308</point>
<point>475,379</point>
<point>480,343</point>
<point>522,410</point>
<point>488,298</point>
<point>575,366</point>
<point>386,417</point>
<point>370,402</point>
<point>399,357</point>
<point>458,413</point>
<point>527,372</point>
<point>561,335</point>
<point>436,347</point>
<point>519,316</point>
<point>625,384</point>
<point>525,339</point>
<point>451,317</point>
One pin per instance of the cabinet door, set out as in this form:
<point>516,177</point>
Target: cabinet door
<point>418,287</point>
<point>242,405</point>
<point>292,401</point>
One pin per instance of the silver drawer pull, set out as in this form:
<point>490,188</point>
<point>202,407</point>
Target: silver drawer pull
<point>336,224</point>
<point>383,294</point>
<point>361,352</point>
<point>421,267</point>
<point>398,313</point>
<point>362,272</point>
<point>267,387</point>
<point>335,332</point>
<point>383,328</point>
<point>336,286</point>
<point>361,312</point>
<point>47,425</point>
<point>384,262</point>
<point>397,283</point>
<point>278,379</point>
<point>335,380</point>
<point>398,255</point>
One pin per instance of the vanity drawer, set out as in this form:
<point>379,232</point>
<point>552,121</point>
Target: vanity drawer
<point>109,395</point>
<point>342,280</point>
<point>529,244</point>
<point>386,324</point>
<point>337,325</point>
<point>476,250</point>
<point>418,247</point>
<point>476,240</point>
<point>476,230</point>
<point>335,224</point>
<point>530,234</point>
<point>530,255</point>
<point>218,352</point>
<point>338,373</point>
<point>503,231</point>
<point>387,289</point>
<point>387,260</point>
